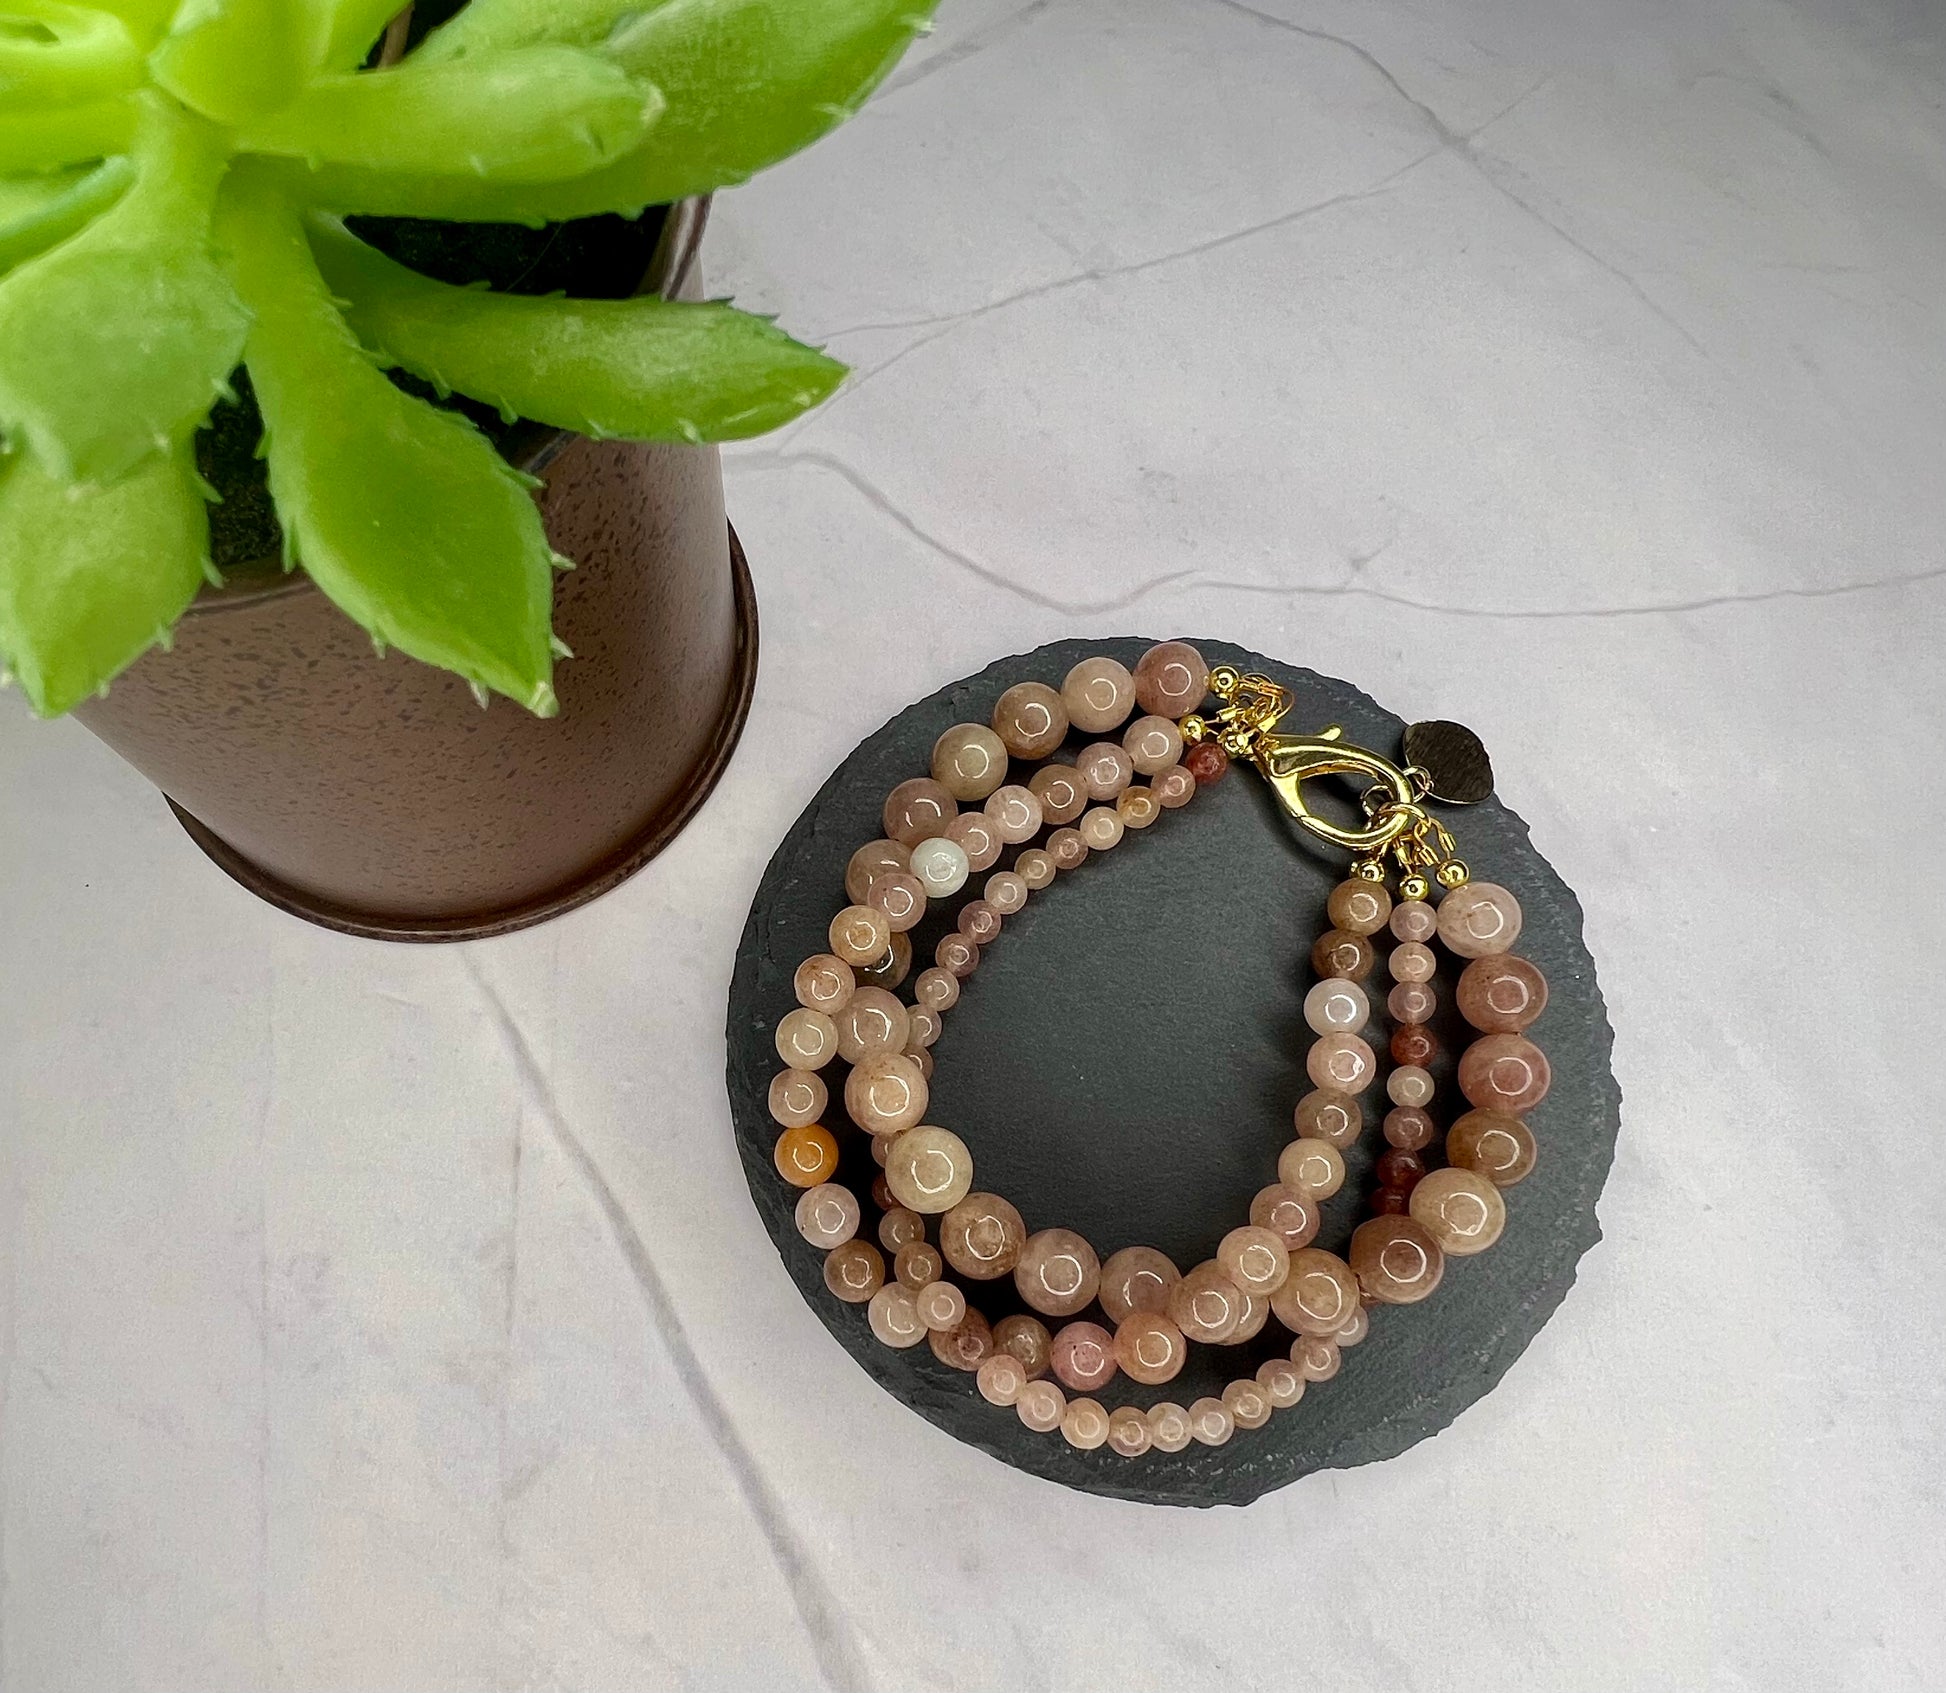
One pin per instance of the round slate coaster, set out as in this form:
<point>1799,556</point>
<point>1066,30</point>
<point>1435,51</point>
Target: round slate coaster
<point>1125,1062</point>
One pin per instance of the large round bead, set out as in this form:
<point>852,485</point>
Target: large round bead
<point>1058,1272</point>
<point>1137,1278</point>
<point>1171,679</point>
<point>1256,1259</point>
<point>982,1236</point>
<point>1501,994</point>
<point>886,1093</point>
<point>1460,1209</point>
<point>1027,1339</point>
<point>918,810</point>
<point>1206,1305</point>
<point>1343,1063</point>
<point>1084,1356</point>
<point>1504,1073</point>
<point>1479,918</point>
<point>1314,1167</point>
<point>1030,719</point>
<point>1318,1295</point>
<point>1149,1347</point>
<point>1288,1212</point>
<point>1395,1260</point>
<point>969,761</point>
<point>854,1271</point>
<point>1099,694</point>
<point>872,1021</point>
<point>1494,1144</point>
<point>929,1169</point>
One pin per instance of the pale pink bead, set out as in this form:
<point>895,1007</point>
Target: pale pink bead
<point>1256,1312</point>
<point>1099,695</point>
<point>941,1306</point>
<point>1410,961</point>
<point>1171,679</point>
<point>1254,1258</point>
<point>885,1094</point>
<point>978,922</point>
<point>928,1168</point>
<point>1409,1084</point>
<point>1414,920</point>
<point>1318,1296</point>
<point>1316,1356</point>
<point>1357,1326</point>
<point>1101,828</point>
<point>900,1227</point>
<point>1005,892</point>
<point>924,1060</point>
<point>1249,1405</point>
<point>1034,868</point>
<point>901,896</point>
<point>1001,1378</point>
<point>1312,1166</point>
<point>1152,744</point>
<point>1084,1424</point>
<point>1341,1062</point>
<point>1210,1422</point>
<point>1282,1382</point>
<point>1030,719</point>
<point>1169,1426</point>
<point>1041,1406</point>
<point>1205,1304</point>
<point>1104,768</point>
<point>969,761</point>
<point>827,1215</point>
<point>874,858</point>
<point>1015,813</point>
<point>917,810</point>
<point>1479,919</point>
<point>974,834</point>
<point>872,1021</point>
<point>1288,1212</point>
<point>797,1097</point>
<point>1059,789</point>
<point>1173,787</point>
<point>916,1264</point>
<point>1084,1356</point>
<point>942,866</point>
<point>807,1040</point>
<point>957,954</point>
<point>894,1317</point>
<point>923,1025</point>
<point>936,989</point>
<point>1058,1272</point>
<point>982,1236</point>
<point>1068,850</point>
<point>1137,1278</point>
<point>1411,1002</point>
<point>824,982</point>
<point>1337,1006</point>
<point>1149,1347</point>
<point>1128,1431</point>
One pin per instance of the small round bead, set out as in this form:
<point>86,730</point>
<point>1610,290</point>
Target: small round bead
<point>807,1040</point>
<point>1331,1116</point>
<point>966,1347</point>
<point>1168,1426</point>
<point>886,1094</point>
<point>1068,850</point>
<point>929,1169</point>
<point>881,1194</point>
<point>1030,720</point>
<point>872,1021</point>
<point>941,866</point>
<point>1318,1295</point>
<point>1357,1326</point>
<point>1339,952</point>
<point>1128,1431</point>
<point>1084,1356</point>
<point>918,810</point>
<point>917,1264</point>
<point>1149,1347</point>
<point>1479,919</point>
<point>797,1097</point>
<point>1060,790</point>
<point>923,1027</point>
<point>1411,1002</point>
<point>1414,920</point>
<point>1501,995</point>
<point>1256,1312</point>
<point>1171,679</point>
<point>1504,1073</point>
<point>1413,1043</point>
<point>982,1236</point>
<point>860,934</point>
<point>1410,1085</point>
<point>974,834</point>
<point>941,1305</point>
<point>1034,868</point>
<point>1399,1168</point>
<point>1027,1339</point>
<point>892,968</point>
<point>1460,1209</point>
<point>1058,1272</point>
<point>1099,695</point>
<point>1206,762</point>
<point>1015,812</point>
<point>1006,892</point>
<point>1341,1062</point>
<point>873,859</point>
<point>1000,1378</point>
<point>1256,1259</point>
<point>1249,1405</point>
<point>854,1271</point>
<point>978,922</point>
<point>969,761</point>
<point>1409,1128</point>
<point>1395,1260</point>
<point>1314,1167</point>
<point>1137,1278</point>
<point>827,1215</point>
<point>936,989</point>
<point>1282,1382</point>
<point>955,953</point>
<point>823,982</point>
<point>1041,1406</point>
<point>1391,1202</point>
<point>1137,808</point>
<point>1206,1305</point>
<point>1210,1422</point>
<point>923,1059</point>
<point>901,896</point>
<point>1316,1356</point>
<point>1101,828</point>
<point>1288,1212</point>
<point>1410,961</point>
<point>1173,787</point>
<point>1494,1144</point>
<point>1084,1424</point>
<point>1105,769</point>
<point>878,1146</point>
<point>1358,906</point>
<point>894,1316</point>
<point>1335,1006</point>
<point>1153,744</point>
<point>900,1227</point>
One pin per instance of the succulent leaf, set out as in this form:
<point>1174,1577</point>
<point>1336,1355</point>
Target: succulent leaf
<point>234,60</point>
<point>355,26</point>
<point>146,19</point>
<point>494,25</point>
<point>404,515</point>
<point>644,369</point>
<point>746,82</point>
<point>35,140</point>
<point>91,578</point>
<point>52,53</point>
<point>117,340</point>
<point>533,115</point>
<point>36,212</point>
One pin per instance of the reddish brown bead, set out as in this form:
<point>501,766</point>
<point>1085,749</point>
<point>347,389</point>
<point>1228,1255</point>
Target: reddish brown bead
<point>1390,1202</point>
<point>1501,995</point>
<point>1207,762</point>
<point>1400,1168</point>
<point>1409,1128</point>
<point>1413,1043</point>
<point>1504,1073</point>
<point>966,1347</point>
<point>1341,953</point>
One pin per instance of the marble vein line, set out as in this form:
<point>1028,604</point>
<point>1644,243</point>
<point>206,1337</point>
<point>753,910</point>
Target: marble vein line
<point>838,1659</point>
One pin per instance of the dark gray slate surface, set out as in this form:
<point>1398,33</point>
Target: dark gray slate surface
<point>1125,1061</point>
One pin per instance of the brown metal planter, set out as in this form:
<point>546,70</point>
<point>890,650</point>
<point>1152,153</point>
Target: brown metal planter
<point>374,795</point>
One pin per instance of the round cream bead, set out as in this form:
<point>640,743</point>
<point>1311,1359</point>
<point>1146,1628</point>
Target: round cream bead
<point>1084,1424</point>
<point>929,1169</point>
<point>1152,745</point>
<point>1409,1084</point>
<point>1099,695</point>
<point>1210,1422</point>
<point>1336,1006</point>
<point>827,1215</point>
<point>1001,1377</point>
<point>824,982</point>
<point>886,1093</point>
<point>1312,1166</point>
<point>798,1097</point>
<point>807,1040</point>
<point>941,866</point>
<point>1169,1426</point>
<point>1041,1406</point>
<point>1101,828</point>
<point>894,1316</point>
<point>941,1306</point>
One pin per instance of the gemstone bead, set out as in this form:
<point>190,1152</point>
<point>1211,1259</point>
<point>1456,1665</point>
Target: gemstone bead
<point>1395,1260</point>
<point>1411,961</point>
<point>1359,907</point>
<point>1282,1382</point>
<point>894,1316</point>
<point>1318,1295</point>
<point>1330,1116</point>
<point>956,954</point>
<point>1137,1278</point>
<point>1171,679</point>
<point>1316,1356</point>
<point>797,1097</point>
<point>1206,1305</point>
<point>1168,1426</point>
<point>1391,1202</point>
<point>1149,1347</point>
<point>1409,1128</point>
<point>1153,744</point>
<point>1105,769</point>
<point>929,1169</point>
<point>1313,1167</point>
<point>1137,808</point>
<point>1414,920</point>
<point>1400,1169</point>
<point>917,1264</point>
<point>1248,1404</point>
<point>1409,1084</point>
<point>1256,1259</point>
<point>1027,1338</point>
<point>1101,828</point>
<point>1030,720</point>
<point>1494,1144</point>
<point>1504,1073</point>
<point>1460,1209</point>
<point>1084,1424</point>
<point>901,896</point>
<point>885,1094</point>
<point>1034,868</point>
<point>1336,1006</point>
<point>936,989</point>
<point>1479,919</point>
<point>978,922</point>
<point>860,934</point>
<point>969,761</point>
<point>1128,1431</point>
<point>1501,995</point>
<point>918,810</point>
<point>1344,1063</point>
<point>1288,1212</point>
<point>1016,813</point>
<point>854,1271</point>
<point>827,1215</point>
<point>823,982</point>
<point>941,1305</point>
<point>973,832</point>
<point>900,1227</point>
<point>1068,850</point>
<point>1338,952</point>
<point>1084,1356</point>
<point>1256,1312</point>
<point>1210,1422</point>
<point>1058,1272</point>
<point>1173,787</point>
<point>942,867</point>
<point>1207,763</point>
<point>1357,1326</point>
<point>872,1021</point>
<point>1005,892</point>
<point>1062,793</point>
<point>923,1027</point>
<point>1413,1043</point>
<point>807,1040</point>
<point>892,967</point>
<point>1041,1406</point>
<point>1000,1378</point>
<point>1099,695</point>
<point>872,860</point>
<point>965,1347</point>
<point>982,1236</point>
<point>1411,1002</point>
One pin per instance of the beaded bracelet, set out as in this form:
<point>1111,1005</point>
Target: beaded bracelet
<point>1267,1267</point>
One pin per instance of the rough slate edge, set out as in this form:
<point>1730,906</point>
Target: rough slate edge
<point>1420,1366</point>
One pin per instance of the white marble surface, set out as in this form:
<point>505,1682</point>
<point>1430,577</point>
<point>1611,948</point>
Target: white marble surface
<point>397,1319</point>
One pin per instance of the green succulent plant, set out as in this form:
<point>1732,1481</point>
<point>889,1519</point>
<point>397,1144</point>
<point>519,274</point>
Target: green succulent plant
<point>174,184</point>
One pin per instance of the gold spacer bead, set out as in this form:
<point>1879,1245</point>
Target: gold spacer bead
<point>1453,874</point>
<point>1193,729</point>
<point>1369,870</point>
<point>1224,681</point>
<point>1414,886</point>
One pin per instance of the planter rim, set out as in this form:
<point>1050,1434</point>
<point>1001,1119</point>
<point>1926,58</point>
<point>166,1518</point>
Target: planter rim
<point>532,447</point>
